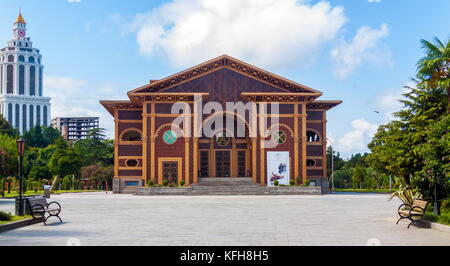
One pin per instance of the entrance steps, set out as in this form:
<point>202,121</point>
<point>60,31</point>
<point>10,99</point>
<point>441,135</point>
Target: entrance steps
<point>227,186</point>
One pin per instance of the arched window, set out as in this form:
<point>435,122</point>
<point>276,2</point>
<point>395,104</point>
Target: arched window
<point>131,135</point>
<point>10,113</point>
<point>38,115</point>
<point>11,58</point>
<point>312,136</point>
<point>40,81</point>
<point>1,79</point>
<point>22,80</point>
<point>17,116</point>
<point>10,79</point>
<point>21,58</point>
<point>31,59</point>
<point>45,116</point>
<point>32,81</point>
<point>31,116</point>
<point>24,118</point>
<point>310,163</point>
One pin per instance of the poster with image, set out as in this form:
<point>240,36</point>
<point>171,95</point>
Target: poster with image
<point>278,168</point>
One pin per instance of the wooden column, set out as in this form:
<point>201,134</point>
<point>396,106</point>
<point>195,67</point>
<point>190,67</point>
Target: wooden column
<point>145,143</point>
<point>304,117</point>
<point>324,143</point>
<point>187,141</point>
<point>152,145</point>
<point>233,158</point>
<point>116,143</point>
<point>296,143</point>
<point>195,159</point>
<point>262,130</point>
<point>254,154</point>
<point>253,132</point>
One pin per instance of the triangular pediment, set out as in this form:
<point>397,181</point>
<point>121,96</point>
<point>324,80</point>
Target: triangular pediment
<point>248,71</point>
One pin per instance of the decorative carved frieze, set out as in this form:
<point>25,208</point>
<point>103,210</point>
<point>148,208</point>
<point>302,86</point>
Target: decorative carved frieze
<point>225,62</point>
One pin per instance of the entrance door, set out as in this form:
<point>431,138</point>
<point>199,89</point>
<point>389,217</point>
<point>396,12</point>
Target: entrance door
<point>223,163</point>
<point>170,172</point>
<point>204,163</point>
<point>241,163</point>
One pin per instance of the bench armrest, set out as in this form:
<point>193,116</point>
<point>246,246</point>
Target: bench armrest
<point>408,207</point>
<point>54,203</point>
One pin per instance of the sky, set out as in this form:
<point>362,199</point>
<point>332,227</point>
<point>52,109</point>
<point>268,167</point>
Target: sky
<point>362,52</point>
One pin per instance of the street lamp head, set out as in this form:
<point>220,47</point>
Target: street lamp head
<point>21,146</point>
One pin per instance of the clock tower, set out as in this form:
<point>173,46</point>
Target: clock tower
<point>22,99</point>
<point>20,28</point>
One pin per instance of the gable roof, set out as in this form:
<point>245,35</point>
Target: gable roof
<point>220,62</point>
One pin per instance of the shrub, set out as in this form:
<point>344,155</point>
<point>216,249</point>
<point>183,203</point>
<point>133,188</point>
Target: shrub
<point>445,206</point>
<point>150,183</point>
<point>182,183</point>
<point>292,182</point>
<point>430,216</point>
<point>165,183</point>
<point>5,216</point>
<point>444,218</point>
<point>299,180</point>
<point>67,182</point>
<point>276,183</point>
<point>307,183</point>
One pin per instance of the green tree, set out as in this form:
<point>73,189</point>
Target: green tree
<point>94,150</point>
<point>8,146</point>
<point>41,137</point>
<point>338,162</point>
<point>64,161</point>
<point>39,173</point>
<point>6,128</point>
<point>434,68</point>
<point>67,182</point>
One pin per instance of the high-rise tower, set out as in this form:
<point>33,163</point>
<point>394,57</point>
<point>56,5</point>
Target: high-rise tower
<point>22,100</point>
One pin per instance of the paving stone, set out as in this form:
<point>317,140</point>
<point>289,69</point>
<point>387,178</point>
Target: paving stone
<point>107,219</point>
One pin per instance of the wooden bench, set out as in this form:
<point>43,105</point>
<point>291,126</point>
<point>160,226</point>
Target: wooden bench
<point>39,208</point>
<point>412,213</point>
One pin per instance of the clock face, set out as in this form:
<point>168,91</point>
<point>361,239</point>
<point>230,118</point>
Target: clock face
<point>21,33</point>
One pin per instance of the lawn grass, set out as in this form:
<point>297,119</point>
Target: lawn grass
<point>15,219</point>
<point>41,192</point>
<point>380,191</point>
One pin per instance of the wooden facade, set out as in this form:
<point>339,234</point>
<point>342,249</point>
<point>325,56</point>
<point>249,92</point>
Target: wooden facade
<point>144,134</point>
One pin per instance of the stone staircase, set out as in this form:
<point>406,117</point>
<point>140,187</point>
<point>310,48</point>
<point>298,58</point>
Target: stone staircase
<point>227,186</point>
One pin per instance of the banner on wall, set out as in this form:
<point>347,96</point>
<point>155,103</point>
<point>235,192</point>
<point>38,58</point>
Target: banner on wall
<point>278,168</point>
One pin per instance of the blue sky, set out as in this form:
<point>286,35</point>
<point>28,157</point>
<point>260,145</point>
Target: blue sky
<point>360,51</point>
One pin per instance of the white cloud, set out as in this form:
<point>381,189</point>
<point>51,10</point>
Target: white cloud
<point>264,32</point>
<point>364,47</point>
<point>388,102</point>
<point>356,140</point>
<point>72,97</point>
<point>374,1</point>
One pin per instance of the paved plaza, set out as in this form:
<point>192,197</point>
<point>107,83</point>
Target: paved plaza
<point>338,219</point>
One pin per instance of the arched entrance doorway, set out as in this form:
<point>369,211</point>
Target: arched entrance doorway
<point>228,152</point>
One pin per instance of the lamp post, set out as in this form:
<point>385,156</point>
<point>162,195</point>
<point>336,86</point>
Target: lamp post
<point>21,150</point>
<point>332,165</point>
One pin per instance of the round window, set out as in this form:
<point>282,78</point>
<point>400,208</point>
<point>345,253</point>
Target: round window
<point>279,137</point>
<point>132,163</point>
<point>170,137</point>
<point>222,140</point>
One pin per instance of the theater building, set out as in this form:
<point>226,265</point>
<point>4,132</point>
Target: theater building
<point>148,147</point>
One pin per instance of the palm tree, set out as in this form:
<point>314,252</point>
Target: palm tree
<point>434,68</point>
